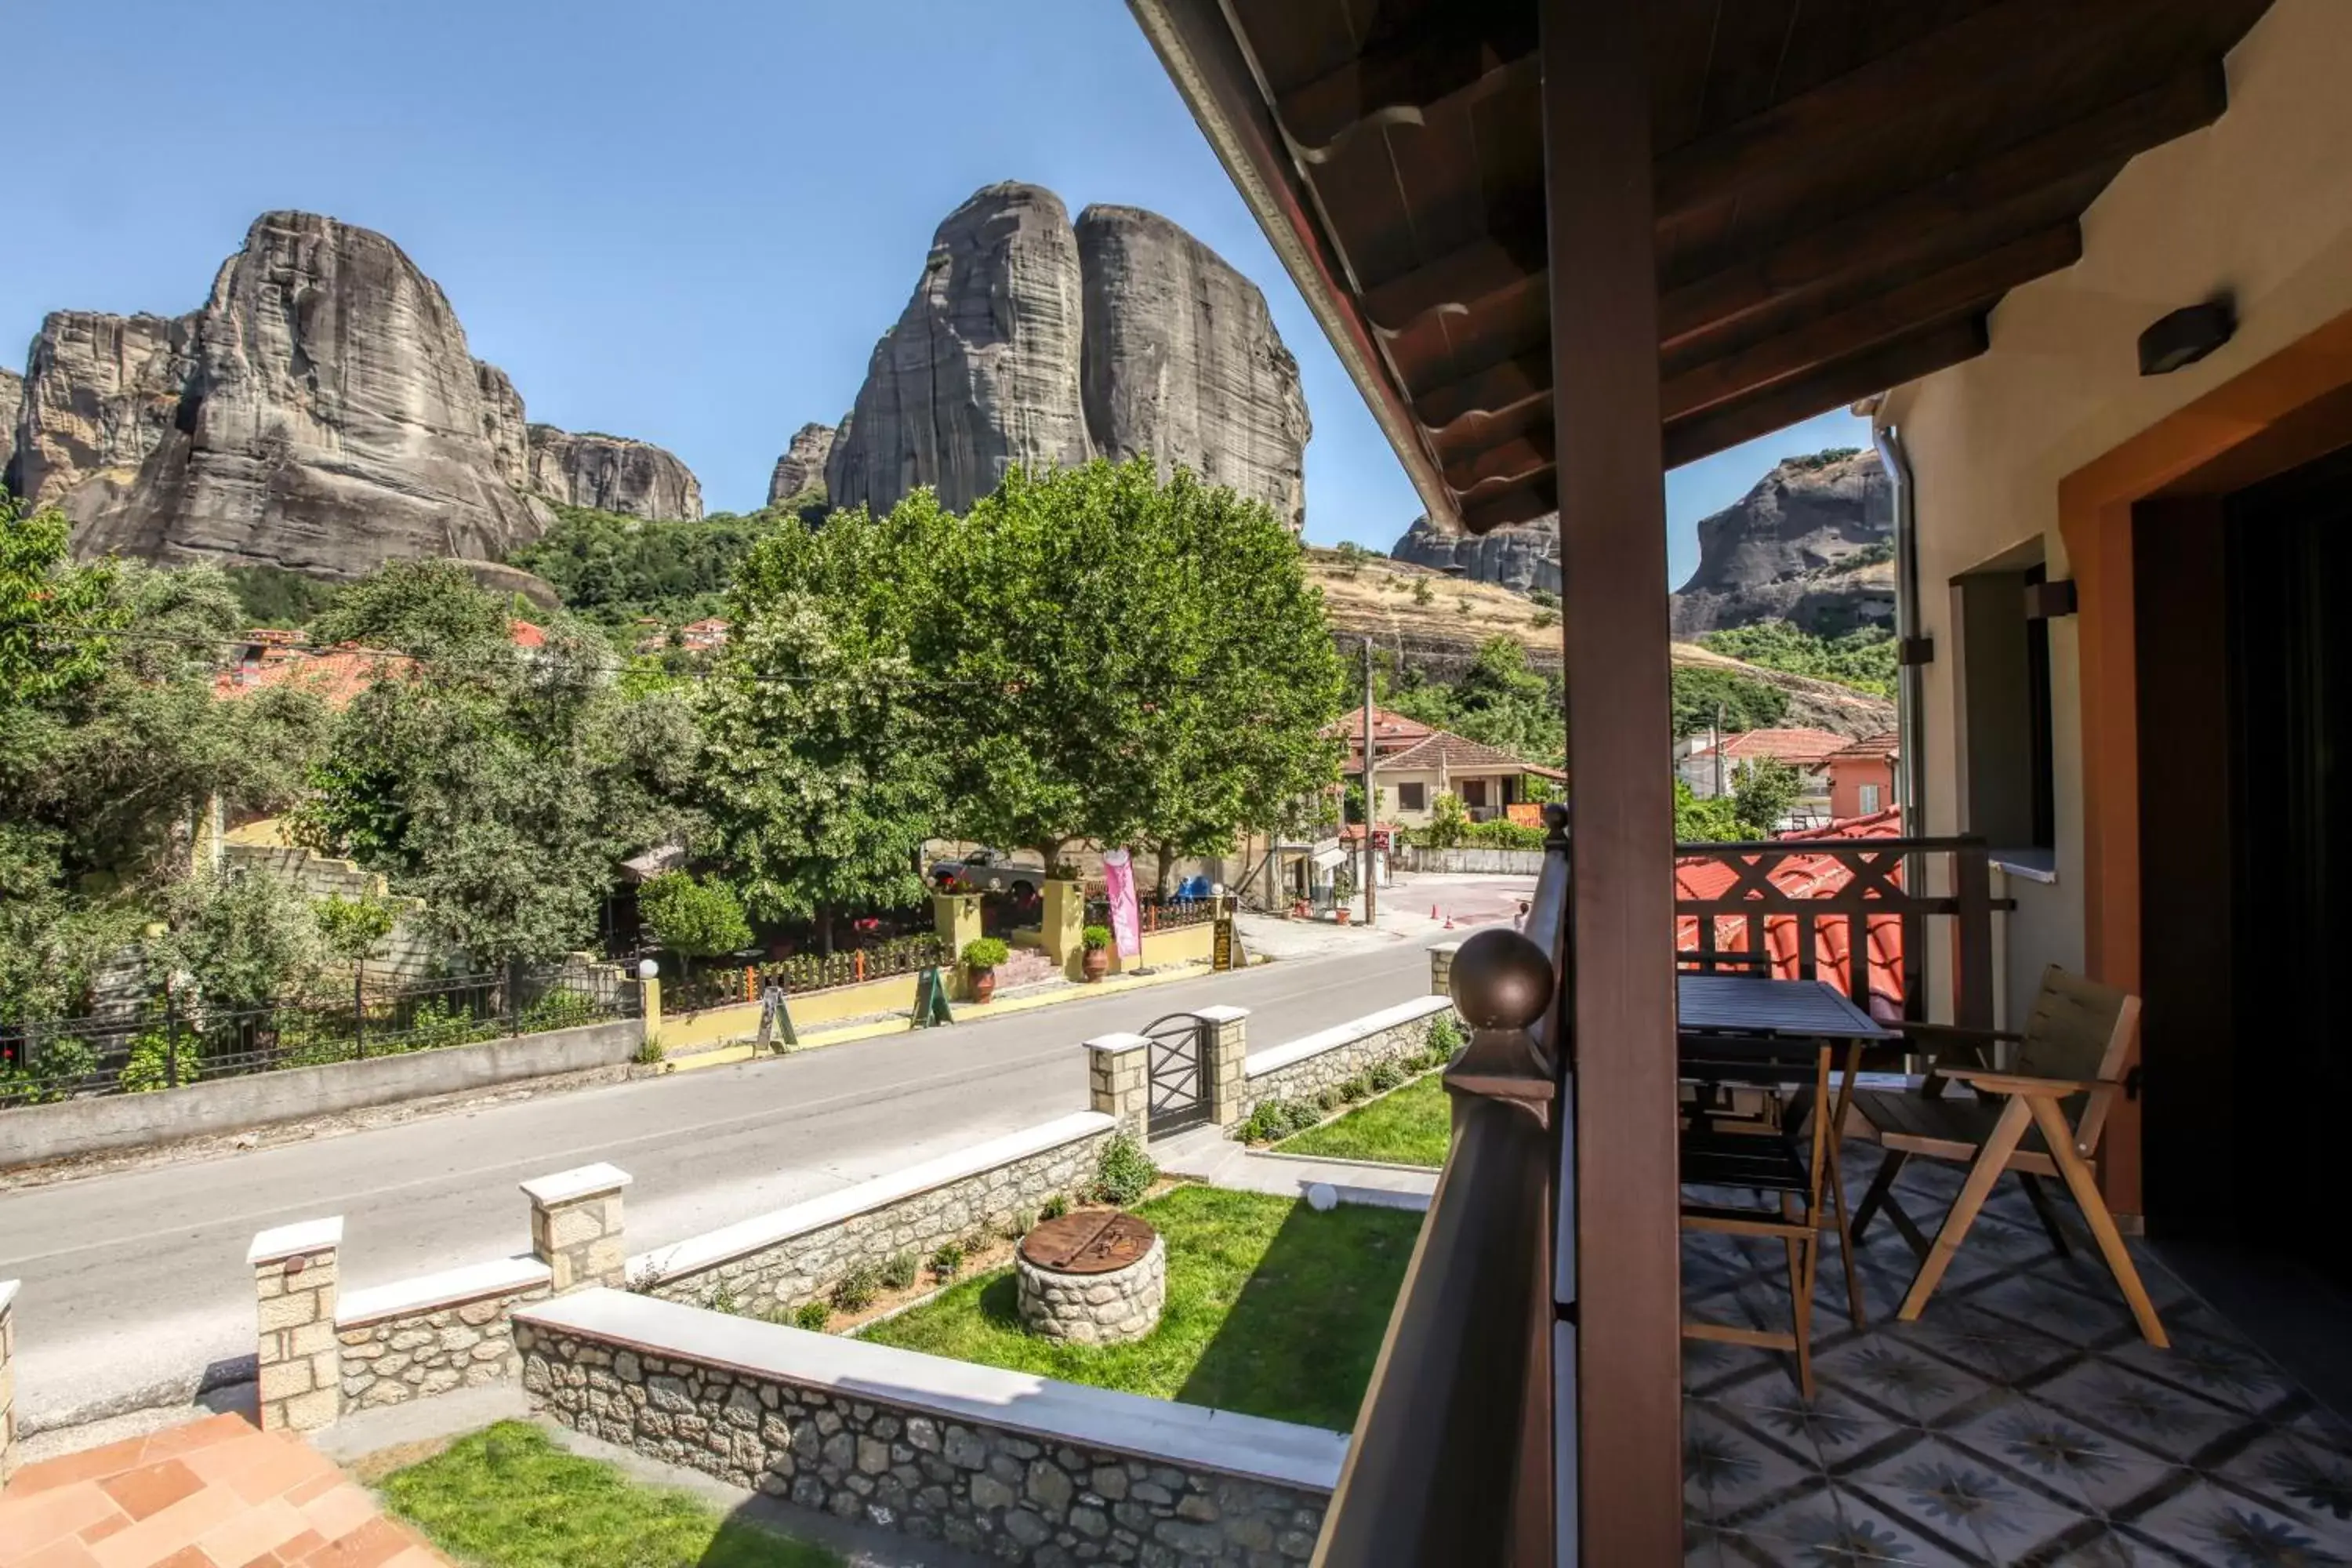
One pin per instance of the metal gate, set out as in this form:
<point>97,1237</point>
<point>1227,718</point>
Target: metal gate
<point>1178,1078</point>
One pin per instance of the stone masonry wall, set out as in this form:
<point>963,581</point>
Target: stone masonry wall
<point>1303,1079</point>
<point>416,1355</point>
<point>979,1487</point>
<point>7,1380</point>
<point>801,1268</point>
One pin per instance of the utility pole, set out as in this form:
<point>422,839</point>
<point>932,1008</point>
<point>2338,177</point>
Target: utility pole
<point>1719,750</point>
<point>1371,792</point>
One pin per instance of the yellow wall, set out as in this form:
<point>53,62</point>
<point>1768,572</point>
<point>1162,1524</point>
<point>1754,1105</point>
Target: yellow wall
<point>683,1032</point>
<point>1187,944</point>
<point>2260,204</point>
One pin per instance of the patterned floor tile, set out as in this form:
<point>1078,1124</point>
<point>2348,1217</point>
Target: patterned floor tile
<point>2104,1473</point>
<point>1885,1371</point>
<point>2057,1310</point>
<point>2292,1477</point>
<point>1831,1429</point>
<point>2227,1371</point>
<point>2218,1528</point>
<point>1997,1515</point>
<point>1994,1348</point>
<point>2154,1415</point>
<point>1729,1473</point>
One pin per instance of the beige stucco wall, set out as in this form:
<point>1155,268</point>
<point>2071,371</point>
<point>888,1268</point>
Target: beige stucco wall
<point>2259,204</point>
<point>1388,779</point>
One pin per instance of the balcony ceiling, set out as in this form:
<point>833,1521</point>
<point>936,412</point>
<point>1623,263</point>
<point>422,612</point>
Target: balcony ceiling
<point>1845,191</point>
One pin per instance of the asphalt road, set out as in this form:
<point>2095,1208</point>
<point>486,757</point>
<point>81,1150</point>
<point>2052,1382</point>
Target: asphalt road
<point>135,1282</point>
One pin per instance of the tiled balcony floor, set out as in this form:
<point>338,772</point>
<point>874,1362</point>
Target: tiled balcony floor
<point>2021,1420</point>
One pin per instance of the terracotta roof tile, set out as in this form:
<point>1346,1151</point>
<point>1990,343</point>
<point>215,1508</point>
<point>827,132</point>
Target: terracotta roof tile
<point>1803,747</point>
<point>1806,876</point>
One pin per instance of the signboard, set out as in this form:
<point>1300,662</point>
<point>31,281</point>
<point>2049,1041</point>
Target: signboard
<point>1119,887</point>
<point>1221,955</point>
<point>1527,813</point>
<point>1325,859</point>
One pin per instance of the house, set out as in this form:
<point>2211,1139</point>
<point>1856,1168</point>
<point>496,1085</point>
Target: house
<point>1806,751</point>
<point>1862,777</point>
<point>1415,764</point>
<point>2089,270</point>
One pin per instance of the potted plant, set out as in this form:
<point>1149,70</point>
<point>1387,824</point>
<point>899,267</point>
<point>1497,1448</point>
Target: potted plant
<point>1095,939</point>
<point>981,956</point>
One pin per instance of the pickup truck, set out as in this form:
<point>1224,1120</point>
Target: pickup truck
<point>991,871</point>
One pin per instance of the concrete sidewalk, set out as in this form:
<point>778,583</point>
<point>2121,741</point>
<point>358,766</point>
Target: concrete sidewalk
<point>1206,1154</point>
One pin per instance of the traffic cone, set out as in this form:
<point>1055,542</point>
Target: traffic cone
<point>1432,911</point>
<point>1449,919</point>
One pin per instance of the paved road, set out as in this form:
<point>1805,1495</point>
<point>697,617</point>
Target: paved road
<point>134,1281</point>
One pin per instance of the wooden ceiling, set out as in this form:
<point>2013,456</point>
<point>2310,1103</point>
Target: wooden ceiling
<point>1844,190</point>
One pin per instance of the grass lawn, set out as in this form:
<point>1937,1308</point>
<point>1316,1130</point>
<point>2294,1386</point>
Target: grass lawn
<point>1410,1127</point>
<point>1273,1310</point>
<point>508,1498</point>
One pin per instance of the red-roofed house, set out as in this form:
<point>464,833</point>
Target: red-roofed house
<point>1862,777</point>
<point>1417,763</point>
<point>1805,876</point>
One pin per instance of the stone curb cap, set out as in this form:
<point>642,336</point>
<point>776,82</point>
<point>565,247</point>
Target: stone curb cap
<point>8,1293</point>
<point>583,1181</point>
<point>1222,1013</point>
<point>1113,1043</point>
<point>293,1241</point>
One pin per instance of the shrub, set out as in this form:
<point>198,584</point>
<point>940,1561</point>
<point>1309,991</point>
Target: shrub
<point>650,1053</point>
<point>1444,1035</point>
<point>947,1262</point>
<point>814,1316</point>
<point>149,1068</point>
<point>985,952</point>
<point>854,1291</point>
<point>1386,1076</point>
<point>1421,593</point>
<point>1056,1206</point>
<point>1356,1088</point>
<point>1126,1173</point>
<point>698,919</point>
<point>59,1067</point>
<point>557,1010</point>
<point>1094,937</point>
<point>1022,1222</point>
<point>723,1299</point>
<point>899,1272</point>
<point>1329,1100</point>
<point>1265,1123</point>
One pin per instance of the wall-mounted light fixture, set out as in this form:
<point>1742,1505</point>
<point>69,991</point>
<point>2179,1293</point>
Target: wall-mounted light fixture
<point>2049,600</point>
<point>2187,335</point>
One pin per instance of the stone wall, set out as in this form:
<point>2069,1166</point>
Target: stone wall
<point>418,1354</point>
<point>781,1259</point>
<point>7,1380</point>
<point>1307,1067</point>
<point>1023,1468</point>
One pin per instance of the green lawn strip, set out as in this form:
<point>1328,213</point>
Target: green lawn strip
<point>1273,1310</point>
<point>508,1497</point>
<point>1410,1127</point>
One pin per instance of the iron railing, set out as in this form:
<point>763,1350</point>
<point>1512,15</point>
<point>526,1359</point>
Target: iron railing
<point>807,972</point>
<point>1158,915</point>
<point>167,1041</point>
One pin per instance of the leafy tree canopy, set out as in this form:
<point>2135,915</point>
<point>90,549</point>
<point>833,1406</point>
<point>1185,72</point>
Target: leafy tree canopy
<point>1863,658</point>
<point>1743,702</point>
<point>613,570</point>
<point>696,919</point>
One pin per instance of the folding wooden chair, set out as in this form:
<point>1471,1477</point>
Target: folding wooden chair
<point>2042,1117</point>
<point>1764,1161</point>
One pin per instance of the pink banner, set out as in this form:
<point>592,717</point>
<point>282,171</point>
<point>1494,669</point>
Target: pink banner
<point>1118,886</point>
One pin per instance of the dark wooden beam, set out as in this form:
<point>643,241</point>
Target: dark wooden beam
<point>1509,462</point>
<point>1442,51</point>
<point>1509,255</point>
<point>1836,121</point>
<point>1935,348</point>
<point>1493,390</point>
<point>1618,1244</point>
<point>1466,438</point>
<point>1531,500</point>
<point>2021,189</point>
<point>1978,283</point>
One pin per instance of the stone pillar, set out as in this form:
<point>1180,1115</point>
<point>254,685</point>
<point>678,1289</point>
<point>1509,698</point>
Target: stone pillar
<point>1119,1081</point>
<point>7,1380</point>
<point>575,1226</point>
<point>1440,968</point>
<point>652,988</point>
<point>301,1365</point>
<point>1066,918</point>
<point>1224,1056</point>
<point>957,915</point>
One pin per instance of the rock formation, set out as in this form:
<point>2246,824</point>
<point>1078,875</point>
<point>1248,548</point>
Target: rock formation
<point>12,400</point>
<point>1522,558</point>
<point>1029,341</point>
<point>612,473</point>
<point>1810,543</point>
<point>101,393</point>
<point>321,412</point>
<point>1180,360</point>
<point>802,467</point>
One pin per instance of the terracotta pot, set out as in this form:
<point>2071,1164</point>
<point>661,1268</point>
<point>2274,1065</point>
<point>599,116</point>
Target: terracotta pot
<point>984,984</point>
<point>1096,964</point>
<point>1339,915</point>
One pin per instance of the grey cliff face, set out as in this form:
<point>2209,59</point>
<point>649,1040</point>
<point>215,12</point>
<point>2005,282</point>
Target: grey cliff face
<point>1522,558</point>
<point>612,473</point>
<point>1029,341</point>
<point>100,395</point>
<point>1788,550</point>
<point>12,404</point>
<point>981,372</point>
<point>802,467</point>
<point>1180,360</point>
<point>503,424</point>
<point>330,419</point>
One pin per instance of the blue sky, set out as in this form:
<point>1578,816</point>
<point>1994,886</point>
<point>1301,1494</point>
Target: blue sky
<point>686,222</point>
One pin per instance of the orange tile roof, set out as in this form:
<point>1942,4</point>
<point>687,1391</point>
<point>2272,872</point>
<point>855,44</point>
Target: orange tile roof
<point>1805,876</point>
<point>1882,747</point>
<point>335,677</point>
<point>1802,748</point>
<point>1457,754</point>
<point>526,635</point>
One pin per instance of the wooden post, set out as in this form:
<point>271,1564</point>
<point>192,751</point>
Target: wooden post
<point>1621,1403</point>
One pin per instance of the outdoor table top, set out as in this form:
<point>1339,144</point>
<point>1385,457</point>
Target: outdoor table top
<point>1791,1009</point>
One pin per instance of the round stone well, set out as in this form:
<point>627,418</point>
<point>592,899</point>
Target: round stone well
<point>1097,1277</point>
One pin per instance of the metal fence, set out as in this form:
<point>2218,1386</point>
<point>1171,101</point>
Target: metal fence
<point>165,1042</point>
<point>807,972</point>
<point>1158,915</point>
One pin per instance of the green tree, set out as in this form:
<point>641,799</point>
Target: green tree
<point>353,929</point>
<point>827,763</point>
<point>1449,823</point>
<point>430,607</point>
<point>1133,662</point>
<point>1863,658</point>
<point>1763,792</point>
<point>1701,692</point>
<point>52,613</point>
<point>234,943</point>
<point>694,918</point>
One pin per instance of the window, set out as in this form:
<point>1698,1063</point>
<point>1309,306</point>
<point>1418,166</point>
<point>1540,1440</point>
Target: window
<point>1412,797</point>
<point>1474,791</point>
<point>2008,790</point>
<point>1870,805</point>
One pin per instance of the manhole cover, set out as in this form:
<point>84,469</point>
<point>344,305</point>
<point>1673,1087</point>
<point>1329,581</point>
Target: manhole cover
<point>1093,1243</point>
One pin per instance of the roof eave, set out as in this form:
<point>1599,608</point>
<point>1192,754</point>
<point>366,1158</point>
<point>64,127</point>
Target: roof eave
<point>1197,48</point>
